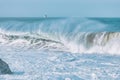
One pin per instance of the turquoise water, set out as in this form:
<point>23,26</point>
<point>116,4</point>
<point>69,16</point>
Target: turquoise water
<point>61,48</point>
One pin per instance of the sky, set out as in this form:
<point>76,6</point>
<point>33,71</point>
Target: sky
<point>60,8</point>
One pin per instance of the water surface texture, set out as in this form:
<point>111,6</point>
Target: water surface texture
<point>61,48</point>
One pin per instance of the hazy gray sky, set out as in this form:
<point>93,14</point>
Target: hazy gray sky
<point>58,8</point>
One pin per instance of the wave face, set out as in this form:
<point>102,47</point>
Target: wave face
<point>76,35</point>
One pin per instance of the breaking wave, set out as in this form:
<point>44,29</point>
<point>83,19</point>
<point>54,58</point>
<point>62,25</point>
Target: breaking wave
<point>61,34</point>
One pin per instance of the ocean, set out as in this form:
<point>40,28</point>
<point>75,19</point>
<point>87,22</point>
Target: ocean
<point>61,48</point>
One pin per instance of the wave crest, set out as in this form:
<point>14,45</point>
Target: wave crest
<point>86,42</point>
<point>72,35</point>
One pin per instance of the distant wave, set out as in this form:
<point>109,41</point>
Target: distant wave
<point>72,35</point>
